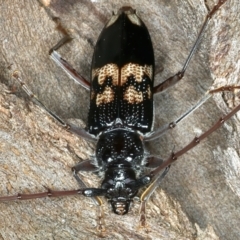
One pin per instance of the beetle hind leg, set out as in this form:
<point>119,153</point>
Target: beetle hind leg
<point>178,76</point>
<point>62,63</point>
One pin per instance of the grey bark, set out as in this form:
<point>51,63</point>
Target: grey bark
<point>199,198</point>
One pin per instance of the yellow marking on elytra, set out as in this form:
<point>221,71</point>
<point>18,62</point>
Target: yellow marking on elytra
<point>132,96</point>
<point>135,70</point>
<point>109,70</point>
<point>106,97</point>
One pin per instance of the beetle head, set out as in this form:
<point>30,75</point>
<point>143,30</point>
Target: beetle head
<point>120,189</point>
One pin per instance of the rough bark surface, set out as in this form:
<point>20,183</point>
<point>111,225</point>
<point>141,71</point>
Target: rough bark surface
<point>198,199</point>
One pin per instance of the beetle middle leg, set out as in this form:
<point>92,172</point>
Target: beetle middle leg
<point>70,127</point>
<point>160,131</point>
<point>178,76</point>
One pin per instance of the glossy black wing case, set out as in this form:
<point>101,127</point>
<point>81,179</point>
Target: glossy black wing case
<point>122,75</point>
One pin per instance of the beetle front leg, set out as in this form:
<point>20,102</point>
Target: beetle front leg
<point>85,166</point>
<point>147,194</point>
<point>89,167</point>
<point>156,175</point>
<point>153,175</point>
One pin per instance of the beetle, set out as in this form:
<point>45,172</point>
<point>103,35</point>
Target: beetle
<point>121,113</point>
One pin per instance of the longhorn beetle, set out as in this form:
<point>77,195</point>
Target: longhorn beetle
<point>120,118</point>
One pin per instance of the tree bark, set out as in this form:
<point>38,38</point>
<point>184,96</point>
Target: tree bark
<point>198,199</point>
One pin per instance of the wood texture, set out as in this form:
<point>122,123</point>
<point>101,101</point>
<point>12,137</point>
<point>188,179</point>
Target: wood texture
<point>199,198</point>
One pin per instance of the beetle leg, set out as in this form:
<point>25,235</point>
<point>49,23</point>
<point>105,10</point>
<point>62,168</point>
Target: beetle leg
<point>153,162</point>
<point>70,127</point>
<point>97,200</point>
<point>177,77</point>
<point>61,42</point>
<point>147,194</point>
<point>174,156</point>
<point>157,175</point>
<point>85,166</point>
<point>71,72</point>
<point>159,132</point>
<point>89,167</point>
